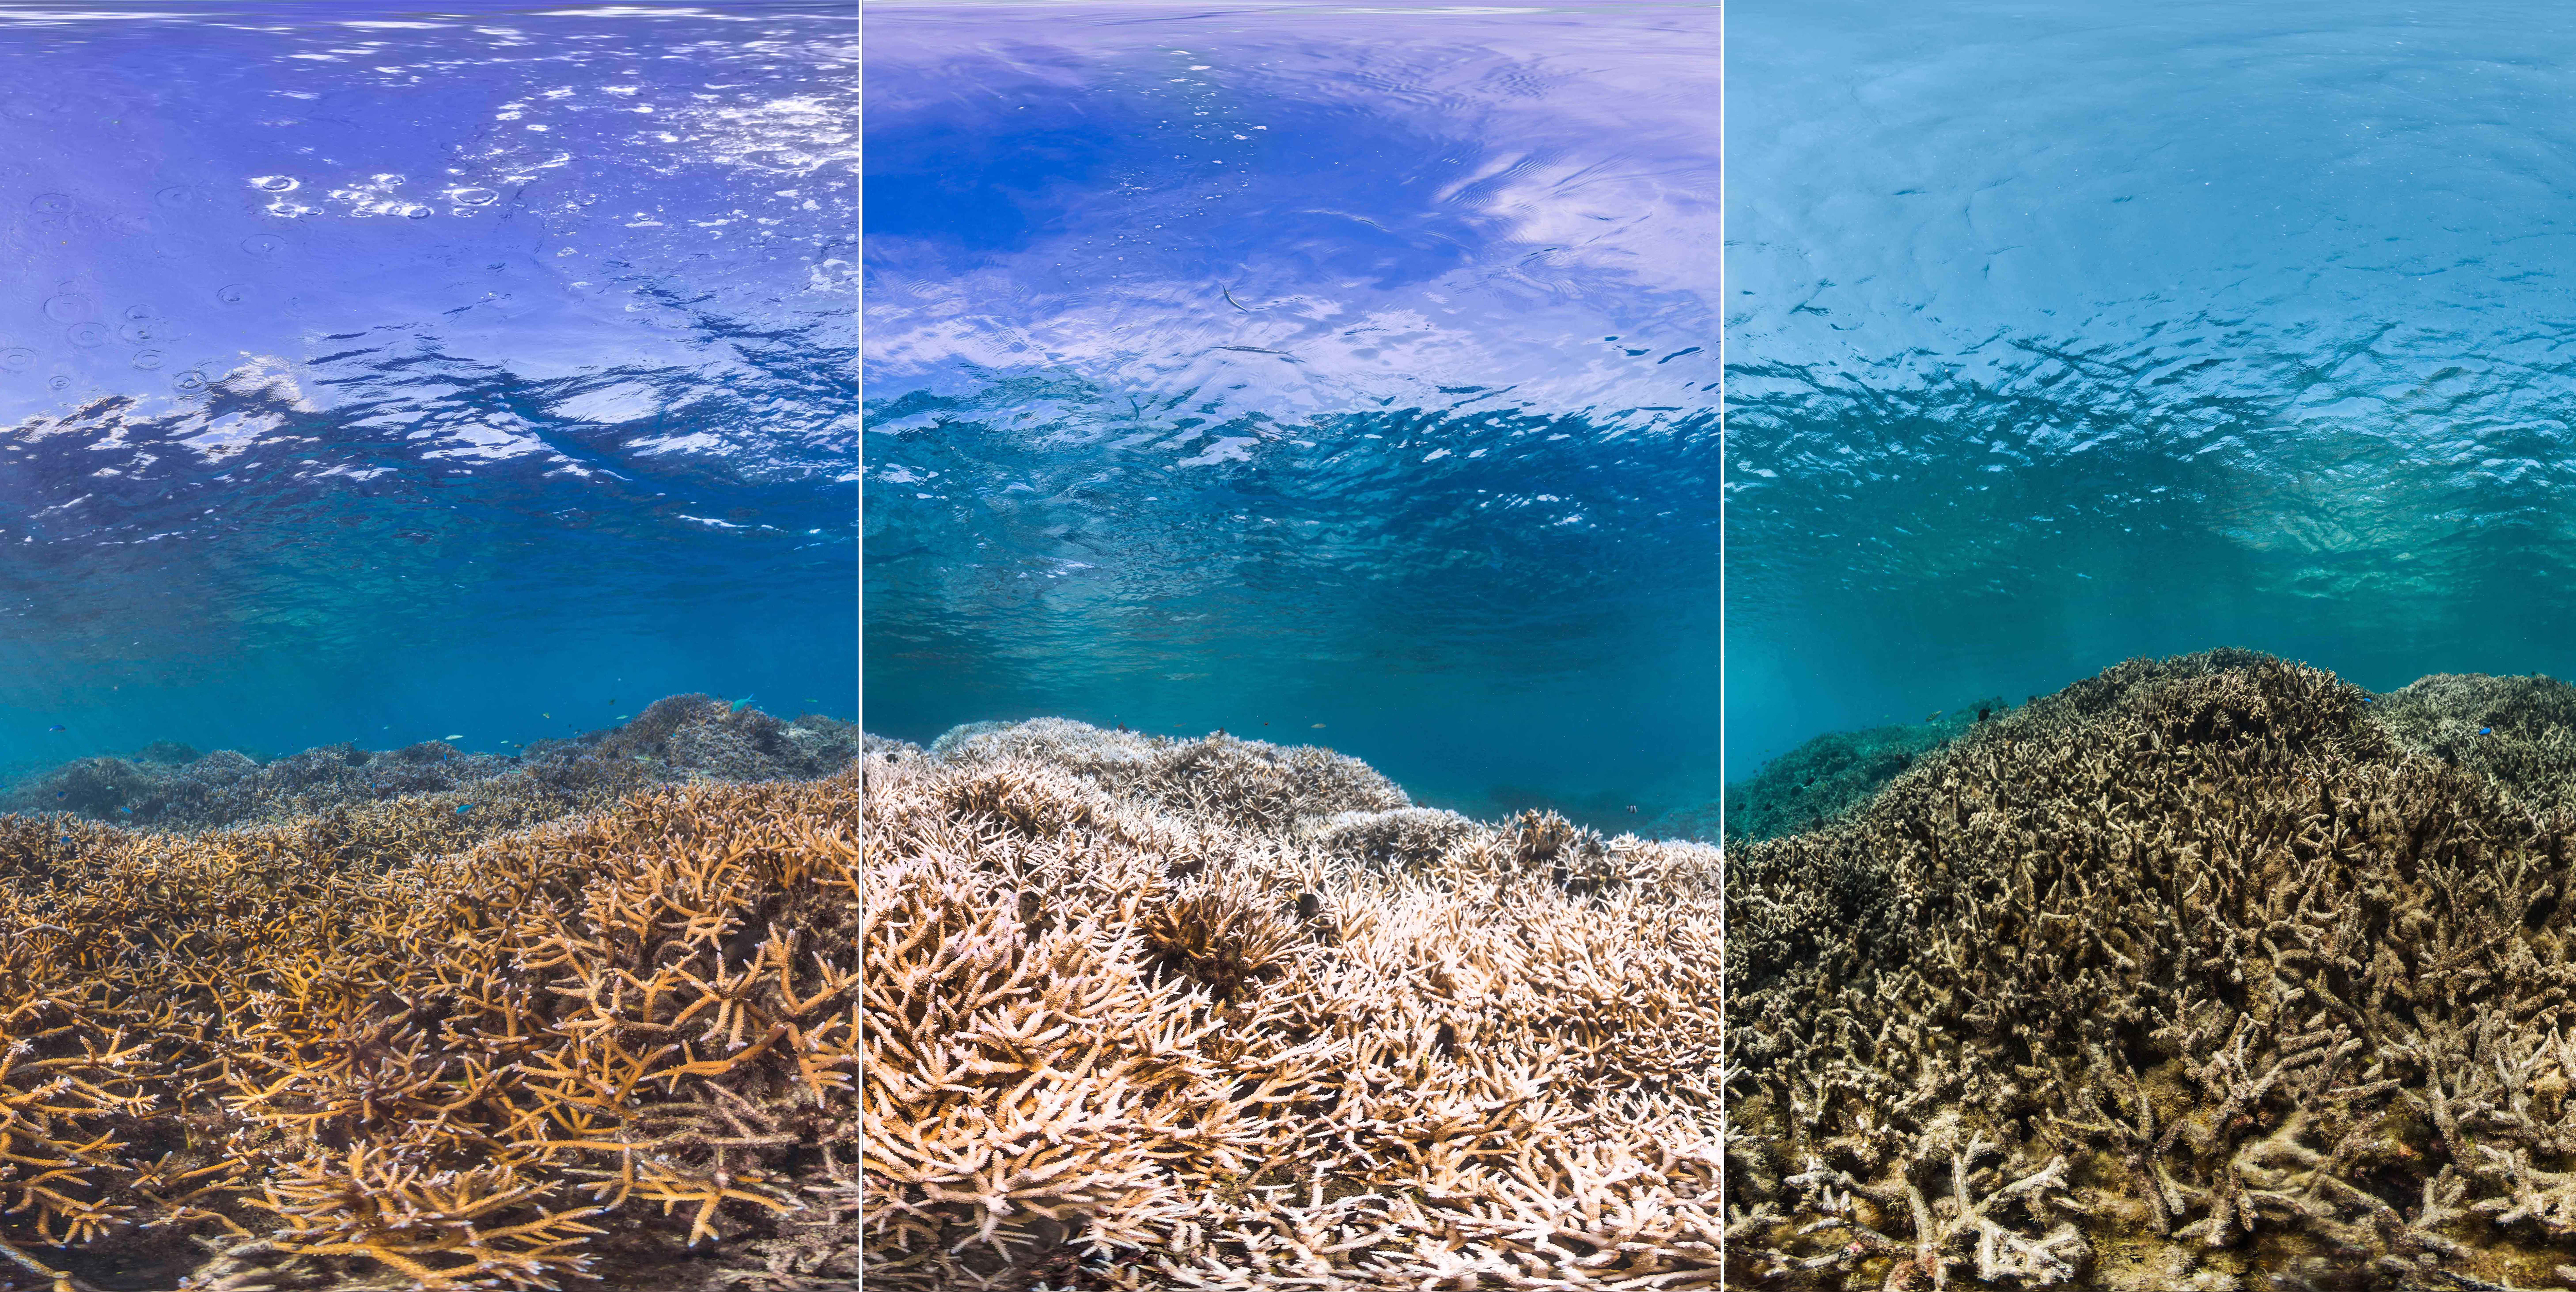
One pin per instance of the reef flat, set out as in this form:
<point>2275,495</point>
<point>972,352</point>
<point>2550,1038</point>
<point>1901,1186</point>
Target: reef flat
<point>2207,973</point>
<point>318,1029</point>
<point>1156,1013</point>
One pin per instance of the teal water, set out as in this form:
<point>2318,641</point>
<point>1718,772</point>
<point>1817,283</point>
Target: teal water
<point>2059,336</point>
<point>1319,376</point>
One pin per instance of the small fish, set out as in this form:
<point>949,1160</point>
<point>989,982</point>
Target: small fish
<point>67,841</point>
<point>623,717</point>
<point>463,808</point>
<point>1319,726</point>
<point>2486,731</point>
<point>1632,807</point>
<point>458,737</point>
<point>1936,714</point>
<point>545,715</point>
<point>59,793</point>
<point>737,705</point>
<point>56,727</point>
<point>127,811</point>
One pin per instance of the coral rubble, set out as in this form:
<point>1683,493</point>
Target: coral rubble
<point>346,1048</point>
<point>2215,972</point>
<point>1155,1013</point>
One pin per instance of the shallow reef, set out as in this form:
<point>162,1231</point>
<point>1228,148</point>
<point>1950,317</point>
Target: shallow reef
<point>1155,1013</point>
<point>358,1044</point>
<point>2211,972</point>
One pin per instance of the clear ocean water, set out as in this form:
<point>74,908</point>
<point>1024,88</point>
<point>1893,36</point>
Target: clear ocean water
<point>378,373</point>
<point>2063,334</point>
<point>1318,373</point>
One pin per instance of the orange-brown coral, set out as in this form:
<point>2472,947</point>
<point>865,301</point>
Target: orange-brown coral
<point>349,1049</point>
<point>1147,1013</point>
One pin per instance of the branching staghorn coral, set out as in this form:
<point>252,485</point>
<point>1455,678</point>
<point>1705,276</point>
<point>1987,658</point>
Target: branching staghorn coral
<point>335,1052</point>
<point>1212,1014</point>
<point>2224,969</point>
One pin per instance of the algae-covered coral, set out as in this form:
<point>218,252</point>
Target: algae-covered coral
<point>1153,1013</point>
<point>2215,972</point>
<point>1827,776</point>
<point>350,1049</point>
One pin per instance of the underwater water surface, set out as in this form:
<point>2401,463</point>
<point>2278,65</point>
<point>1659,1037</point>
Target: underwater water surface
<point>377,373</point>
<point>2060,336</point>
<point>1319,374</point>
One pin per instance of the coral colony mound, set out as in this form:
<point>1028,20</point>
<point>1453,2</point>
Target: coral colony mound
<point>355,1020</point>
<point>2209,972</point>
<point>1157,1013</point>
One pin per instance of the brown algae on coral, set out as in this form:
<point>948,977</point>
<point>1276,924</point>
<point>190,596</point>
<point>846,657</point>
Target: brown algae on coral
<point>2213,972</point>
<point>598,1035</point>
<point>1157,1013</point>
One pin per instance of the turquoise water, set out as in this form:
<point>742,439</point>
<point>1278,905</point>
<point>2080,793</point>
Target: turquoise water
<point>2063,335</point>
<point>378,375</point>
<point>1318,375</point>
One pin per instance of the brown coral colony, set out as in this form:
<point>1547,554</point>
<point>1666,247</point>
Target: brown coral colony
<point>2214,972</point>
<point>321,1030</point>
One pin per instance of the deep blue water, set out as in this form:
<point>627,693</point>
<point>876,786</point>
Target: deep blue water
<point>378,373</point>
<point>2062,334</point>
<point>1261,369</point>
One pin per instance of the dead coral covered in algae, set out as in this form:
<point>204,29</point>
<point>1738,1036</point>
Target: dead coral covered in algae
<point>331,1052</point>
<point>1150,1013</point>
<point>2199,974</point>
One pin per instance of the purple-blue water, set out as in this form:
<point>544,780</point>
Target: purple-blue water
<point>1317,373</point>
<point>380,373</point>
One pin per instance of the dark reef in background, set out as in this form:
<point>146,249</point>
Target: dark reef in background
<point>2199,971</point>
<point>679,739</point>
<point>1815,783</point>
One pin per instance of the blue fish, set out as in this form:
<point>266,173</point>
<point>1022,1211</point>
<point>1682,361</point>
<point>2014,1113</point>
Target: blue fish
<point>463,808</point>
<point>56,727</point>
<point>60,793</point>
<point>67,841</point>
<point>2486,731</point>
<point>737,705</point>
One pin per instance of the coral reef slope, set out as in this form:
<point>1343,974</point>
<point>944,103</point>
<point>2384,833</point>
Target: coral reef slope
<point>1152,1013</point>
<point>2214,972</point>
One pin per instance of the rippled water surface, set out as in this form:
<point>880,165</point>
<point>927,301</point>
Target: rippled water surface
<point>2063,334</point>
<point>384,374</point>
<point>1302,367</point>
